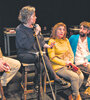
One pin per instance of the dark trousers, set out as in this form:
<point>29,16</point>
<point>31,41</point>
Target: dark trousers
<point>37,59</point>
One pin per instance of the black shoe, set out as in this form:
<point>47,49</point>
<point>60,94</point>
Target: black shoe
<point>62,82</point>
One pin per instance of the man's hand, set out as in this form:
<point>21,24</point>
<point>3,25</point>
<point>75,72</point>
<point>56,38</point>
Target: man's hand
<point>3,66</point>
<point>85,63</point>
<point>68,63</point>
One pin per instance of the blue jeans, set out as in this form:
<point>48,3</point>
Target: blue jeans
<point>75,79</point>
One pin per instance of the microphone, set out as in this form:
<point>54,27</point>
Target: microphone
<point>37,28</point>
<point>35,25</point>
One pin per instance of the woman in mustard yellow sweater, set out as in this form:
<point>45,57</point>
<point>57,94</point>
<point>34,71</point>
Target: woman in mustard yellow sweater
<point>61,56</point>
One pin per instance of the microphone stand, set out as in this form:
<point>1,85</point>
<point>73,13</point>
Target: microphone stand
<point>41,53</point>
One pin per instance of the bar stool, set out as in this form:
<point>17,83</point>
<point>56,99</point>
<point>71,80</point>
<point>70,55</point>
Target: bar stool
<point>1,89</point>
<point>27,69</point>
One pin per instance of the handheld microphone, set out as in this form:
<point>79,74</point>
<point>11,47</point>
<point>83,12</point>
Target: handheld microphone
<point>37,29</point>
<point>35,26</point>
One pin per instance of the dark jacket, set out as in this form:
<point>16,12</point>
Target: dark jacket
<point>25,40</point>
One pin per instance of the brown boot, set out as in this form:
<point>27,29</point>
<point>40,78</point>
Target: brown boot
<point>78,97</point>
<point>70,97</point>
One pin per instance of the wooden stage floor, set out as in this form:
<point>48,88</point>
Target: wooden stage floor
<point>15,91</point>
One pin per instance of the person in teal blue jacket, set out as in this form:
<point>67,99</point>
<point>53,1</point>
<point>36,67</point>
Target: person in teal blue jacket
<point>80,45</point>
<point>74,41</point>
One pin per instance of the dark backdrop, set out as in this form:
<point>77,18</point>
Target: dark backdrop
<point>49,12</point>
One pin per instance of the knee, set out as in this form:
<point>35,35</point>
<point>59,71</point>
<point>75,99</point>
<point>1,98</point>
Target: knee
<point>81,76</point>
<point>18,64</point>
<point>75,78</point>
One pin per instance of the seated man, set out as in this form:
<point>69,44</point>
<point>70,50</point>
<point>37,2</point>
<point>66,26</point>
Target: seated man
<point>80,44</point>
<point>9,67</point>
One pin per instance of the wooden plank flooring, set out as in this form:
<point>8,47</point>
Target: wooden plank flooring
<point>15,91</point>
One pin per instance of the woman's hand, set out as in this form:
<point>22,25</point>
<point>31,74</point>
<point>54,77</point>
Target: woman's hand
<point>37,29</point>
<point>46,45</point>
<point>68,63</point>
<point>49,46</point>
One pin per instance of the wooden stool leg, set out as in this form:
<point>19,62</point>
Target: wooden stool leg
<point>28,69</point>
<point>44,83</point>
<point>25,96</point>
<point>41,87</point>
<point>2,92</point>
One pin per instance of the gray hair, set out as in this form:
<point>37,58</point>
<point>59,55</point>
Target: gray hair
<point>25,13</point>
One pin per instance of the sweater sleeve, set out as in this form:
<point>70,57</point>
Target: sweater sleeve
<point>52,55</point>
<point>41,40</point>
<point>23,41</point>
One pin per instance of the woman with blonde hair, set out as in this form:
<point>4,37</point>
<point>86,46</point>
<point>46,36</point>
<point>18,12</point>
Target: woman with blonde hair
<point>61,56</point>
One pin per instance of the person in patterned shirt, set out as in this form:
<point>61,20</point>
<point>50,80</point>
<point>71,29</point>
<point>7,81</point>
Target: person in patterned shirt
<point>80,44</point>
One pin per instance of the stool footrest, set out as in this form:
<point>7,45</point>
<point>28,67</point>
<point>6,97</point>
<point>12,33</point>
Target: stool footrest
<point>52,81</point>
<point>28,91</point>
<point>29,83</point>
<point>25,65</point>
